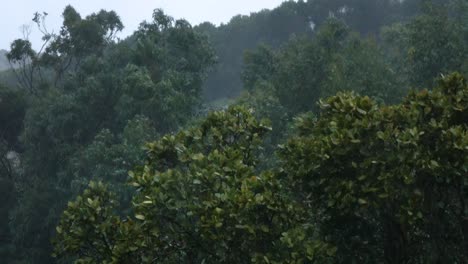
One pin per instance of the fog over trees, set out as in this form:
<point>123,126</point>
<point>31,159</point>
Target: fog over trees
<point>321,131</point>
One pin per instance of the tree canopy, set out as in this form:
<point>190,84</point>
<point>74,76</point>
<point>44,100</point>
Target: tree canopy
<point>361,183</point>
<point>300,134</point>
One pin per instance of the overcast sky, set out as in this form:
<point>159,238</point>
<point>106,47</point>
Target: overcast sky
<point>16,13</point>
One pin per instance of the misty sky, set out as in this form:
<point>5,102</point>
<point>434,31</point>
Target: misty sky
<point>16,13</point>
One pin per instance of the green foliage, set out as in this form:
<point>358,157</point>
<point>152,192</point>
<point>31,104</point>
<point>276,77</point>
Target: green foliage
<point>78,38</point>
<point>20,50</point>
<point>170,63</point>
<point>13,104</point>
<point>199,199</point>
<point>259,66</point>
<point>62,54</point>
<point>388,184</point>
<point>12,110</point>
<point>433,43</point>
<point>361,67</point>
<point>88,226</point>
<point>292,18</point>
<point>109,157</point>
<point>429,52</point>
<point>99,102</point>
<point>242,33</point>
<point>267,105</point>
<point>22,55</point>
<point>359,182</point>
<point>335,60</point>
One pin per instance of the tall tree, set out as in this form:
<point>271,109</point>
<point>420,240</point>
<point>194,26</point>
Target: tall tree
<point>99,91</point>
<point>386,184</point>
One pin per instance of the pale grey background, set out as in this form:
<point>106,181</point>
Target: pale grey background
<point>16,13</point>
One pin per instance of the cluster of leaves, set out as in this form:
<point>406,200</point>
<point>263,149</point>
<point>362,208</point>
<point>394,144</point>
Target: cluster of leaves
<point>388,184</point>
<point>361,183</point>
<point>199,199</point>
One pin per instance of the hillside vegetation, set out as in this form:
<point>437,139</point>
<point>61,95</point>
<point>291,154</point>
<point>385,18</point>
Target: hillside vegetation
<point>322,131</point>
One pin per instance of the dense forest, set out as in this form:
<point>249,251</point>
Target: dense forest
<point>322,131</point>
